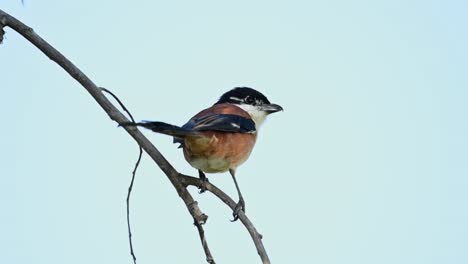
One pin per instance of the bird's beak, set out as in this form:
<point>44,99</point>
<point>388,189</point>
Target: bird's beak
<point>271,108</point>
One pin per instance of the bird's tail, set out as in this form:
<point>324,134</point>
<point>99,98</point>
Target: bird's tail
<point>163,128</point>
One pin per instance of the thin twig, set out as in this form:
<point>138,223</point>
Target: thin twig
<point>117,116</point>
<point>130,187</point>
<point>120,103</point>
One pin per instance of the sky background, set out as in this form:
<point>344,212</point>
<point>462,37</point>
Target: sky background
<point>367,164</point>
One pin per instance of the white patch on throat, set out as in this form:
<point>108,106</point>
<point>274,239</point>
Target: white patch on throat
<point>257,115</point>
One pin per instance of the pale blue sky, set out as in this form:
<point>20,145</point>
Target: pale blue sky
<point>367,164</point>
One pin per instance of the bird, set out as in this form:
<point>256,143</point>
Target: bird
<point>221,137</point>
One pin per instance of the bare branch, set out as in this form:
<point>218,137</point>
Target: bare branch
<point>256,237</point>
<point>201,232</point>
<point>179,183</point>
<point>108,107</point>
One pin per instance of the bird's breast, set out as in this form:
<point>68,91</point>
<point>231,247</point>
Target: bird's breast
<point>214,151</point>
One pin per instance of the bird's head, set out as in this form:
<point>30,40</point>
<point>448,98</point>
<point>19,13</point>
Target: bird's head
<point>252,101</point>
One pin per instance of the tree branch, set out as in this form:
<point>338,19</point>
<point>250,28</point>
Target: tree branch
<point>179,183</point>
<point>201,232</point>
<point>256,237</point>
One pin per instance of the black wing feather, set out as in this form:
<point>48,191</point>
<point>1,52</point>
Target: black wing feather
<point>222,122</point>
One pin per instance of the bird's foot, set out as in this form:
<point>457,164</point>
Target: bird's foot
<point>240,206</point>
<point>203,187</point>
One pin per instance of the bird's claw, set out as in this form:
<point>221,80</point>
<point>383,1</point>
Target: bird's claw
<point>240,206</point>
<point>203,187</point>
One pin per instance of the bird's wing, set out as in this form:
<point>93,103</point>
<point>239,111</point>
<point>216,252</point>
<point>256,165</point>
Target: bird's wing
<point>222,122</point>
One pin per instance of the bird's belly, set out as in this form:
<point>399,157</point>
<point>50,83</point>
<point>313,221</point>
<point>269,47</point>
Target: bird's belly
<point>218,151</point>
<point>213,165</point>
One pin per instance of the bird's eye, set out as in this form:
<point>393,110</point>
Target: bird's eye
<point>249,100</point>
